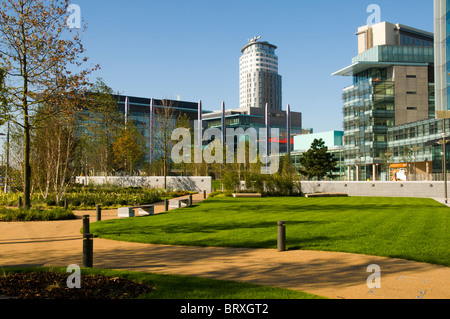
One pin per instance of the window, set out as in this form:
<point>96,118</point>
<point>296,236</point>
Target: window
<point>411,108</point>
<point>411,76</point>
<point>411,92</point>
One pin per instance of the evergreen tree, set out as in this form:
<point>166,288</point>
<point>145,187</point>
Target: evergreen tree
<point>317,162</point>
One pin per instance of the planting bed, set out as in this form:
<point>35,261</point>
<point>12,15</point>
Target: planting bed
<point>50,285</point>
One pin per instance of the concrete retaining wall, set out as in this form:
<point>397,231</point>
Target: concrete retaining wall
<point>381,189</point>
<point>194,184</point>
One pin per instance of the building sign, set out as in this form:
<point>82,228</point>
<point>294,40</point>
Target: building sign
<point>399,172</point>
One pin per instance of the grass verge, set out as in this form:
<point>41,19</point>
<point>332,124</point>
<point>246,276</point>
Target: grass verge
<point>408,228</point>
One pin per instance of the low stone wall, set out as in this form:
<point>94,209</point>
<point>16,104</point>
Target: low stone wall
<point>430,189</point>
<point>193,184</point>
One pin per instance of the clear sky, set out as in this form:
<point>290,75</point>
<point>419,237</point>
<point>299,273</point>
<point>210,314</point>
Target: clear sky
<point>164,48</point>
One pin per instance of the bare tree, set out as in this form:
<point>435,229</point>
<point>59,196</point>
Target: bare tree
<point>165,122</point>
<point>41,56</point>
<point>53,150</point>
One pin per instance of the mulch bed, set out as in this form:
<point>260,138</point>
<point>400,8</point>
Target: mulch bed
<point>51,285</point>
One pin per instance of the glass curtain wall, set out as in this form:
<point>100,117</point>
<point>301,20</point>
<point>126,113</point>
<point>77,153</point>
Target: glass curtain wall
<point>368,113</point>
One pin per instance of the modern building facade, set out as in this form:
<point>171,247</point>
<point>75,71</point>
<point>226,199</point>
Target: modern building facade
<point>442,53</point>
<point>333,141</point>
<point>260,89</point>
<point>138,110</point>
<point>251,117</point>
<point>393,84</point>
<point>259,81</point>
<point>417,149</point>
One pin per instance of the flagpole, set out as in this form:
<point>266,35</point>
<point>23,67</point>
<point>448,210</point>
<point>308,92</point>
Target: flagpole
<point>151,130</point>
<point>126,119</point>
<point>267,134</point>
<point>200,124</point>
<point>223,138</point>
<point>223,123</point>
<point>126,109</point>
<point>288,131</point>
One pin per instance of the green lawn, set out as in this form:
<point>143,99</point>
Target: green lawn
<point>408,228</point>
<point>187,287</point>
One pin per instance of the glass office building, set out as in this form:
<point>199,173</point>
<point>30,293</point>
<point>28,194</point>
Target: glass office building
<point>442,51</point>
<point>139,113</point>
<point>393,84</point>
<point>251,117</point>
<point>418,147</point>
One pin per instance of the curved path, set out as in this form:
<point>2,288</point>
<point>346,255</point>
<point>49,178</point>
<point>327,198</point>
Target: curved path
<point>333,275</point>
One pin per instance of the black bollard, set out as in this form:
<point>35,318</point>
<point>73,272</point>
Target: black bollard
<point>166,205</point>
<point>99,213</point>
<point>88,250</point>
<point>204,194</point>
<point>86,224</point>
<point>281,236</point>
<point>190,199</point>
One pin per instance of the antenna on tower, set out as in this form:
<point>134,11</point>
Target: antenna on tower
<point>254,39</point>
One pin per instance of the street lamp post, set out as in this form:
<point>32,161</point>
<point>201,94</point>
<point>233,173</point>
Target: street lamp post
<point>444,160</point>
<point>388,155</point>
<point>444,115</point>
<point>414,150</point>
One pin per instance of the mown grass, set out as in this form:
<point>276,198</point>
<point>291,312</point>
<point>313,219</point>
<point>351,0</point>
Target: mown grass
<point>187,287</point>
<point>408,228</point>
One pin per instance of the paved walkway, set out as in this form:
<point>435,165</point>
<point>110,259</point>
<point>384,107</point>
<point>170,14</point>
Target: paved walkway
<point>333,275</point>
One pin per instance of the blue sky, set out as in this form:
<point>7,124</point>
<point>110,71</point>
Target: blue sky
<point>161,49</point>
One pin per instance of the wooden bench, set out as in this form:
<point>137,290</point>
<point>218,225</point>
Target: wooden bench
<point>327,195</point>
<point>178,203</point>
<point>247,195</point>
<point>144,210</point>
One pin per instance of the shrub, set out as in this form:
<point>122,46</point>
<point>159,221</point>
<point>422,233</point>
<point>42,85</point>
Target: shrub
<point>107,203</point>
<point>50,202</point>
<point>75,203</point>
<point>231,180</point>
<point>89,202</point>
<point>87,197</point>
<point>214,194</point>
<point>221,194</point>
<point>13,215</point>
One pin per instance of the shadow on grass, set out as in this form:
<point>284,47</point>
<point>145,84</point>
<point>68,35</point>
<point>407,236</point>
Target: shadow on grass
<point>191,228</point>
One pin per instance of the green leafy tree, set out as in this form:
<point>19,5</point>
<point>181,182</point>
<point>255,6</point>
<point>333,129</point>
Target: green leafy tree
<point>101,124</point>
<point>129,149</point>
<point>317,162</point>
